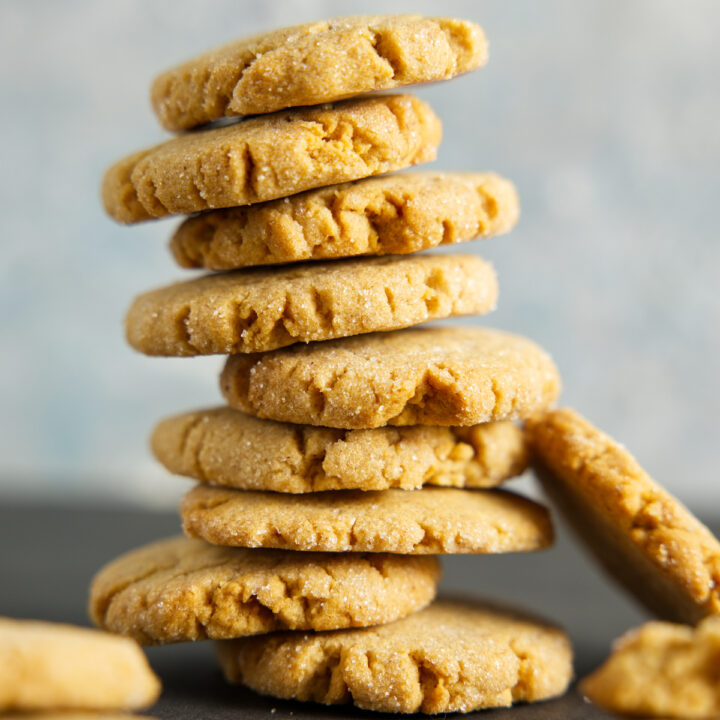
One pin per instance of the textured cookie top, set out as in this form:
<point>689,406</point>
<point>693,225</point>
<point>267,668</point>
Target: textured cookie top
<point>428,376</point>
<point>451,657</point>
<point>661,670</point>
<point>642,534</point>
<point>181,589</point>
<point>222,446</point>
<point>400,213</point>
<point>261,309</point>
<point>315,63</point>
<point>49,666</point>
<point>272,156</point>
<point>431,520</point>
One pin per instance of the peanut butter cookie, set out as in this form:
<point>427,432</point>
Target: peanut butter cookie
<point>641,534</point>
<point>262,309</point>
<point>222,446</point>
<point>427,521</point>
<point>50,666</point>
<point>661,670</point>
<point>272,156</point>
<point>315,63</point>
<point>401,213</point>
<point>181,589</point>
<point>427,376</point>
<point>451,657</point>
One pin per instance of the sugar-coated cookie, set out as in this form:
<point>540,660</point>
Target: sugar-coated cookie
<point>641,534</point>
<point>451,657</point>
<point>315,63</point>
<point>426,376</point>
<point>427,521</point>
<point>399,213</point>
<point>261,309</point>
<point>182,589</point>
<point>223,446</point>
<point>272,156</point>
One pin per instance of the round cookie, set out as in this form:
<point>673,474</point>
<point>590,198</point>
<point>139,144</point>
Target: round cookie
<point>182,589</point>
<point>451,657</point>
<point>401,213</point>
<point>262,309</point>
<point>427,376</point>
<point>641,534</point>
<point>272,156</point>
<point>222,446</point>
<point>315,63</point>
<point>661,670</point>
<point>51,666</point>
<point>427,521</point>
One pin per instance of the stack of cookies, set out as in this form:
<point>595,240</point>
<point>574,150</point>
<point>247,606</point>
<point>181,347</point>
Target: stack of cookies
<point>353,449</point>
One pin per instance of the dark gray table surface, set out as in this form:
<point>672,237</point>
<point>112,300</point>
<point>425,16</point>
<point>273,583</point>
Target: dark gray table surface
<point>49,554</point>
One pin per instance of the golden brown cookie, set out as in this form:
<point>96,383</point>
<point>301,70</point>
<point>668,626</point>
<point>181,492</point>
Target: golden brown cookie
<point>222,446</point>
<point>453,656</point>
<point>181,589</point>
<point>401,213</point>
<point>427,521</point>
<point>641,534</point>
<point>50,666</point>
<point>661,670</point>
<point>272,156</point>
<point>427,376</point>
<point>265,308</point>
<point>315,63</point>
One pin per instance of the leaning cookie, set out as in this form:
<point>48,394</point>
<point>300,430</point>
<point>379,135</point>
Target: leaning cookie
<point>427,521</point>
<point>661,670</point>
<point>51,667</point>
<point>451,657</point>
<point>180,589</point>
<point>272,156</point>
<point>641,534</point>
<point>261,309</point>
<point>401,213</point>
<point>315,63</point>
<point>222,446</point>
<point>426,376</point>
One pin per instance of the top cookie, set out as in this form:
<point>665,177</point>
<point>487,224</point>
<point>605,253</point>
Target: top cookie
<point>267,157</point>
<point>315,63</point>
<point>642,535</point>
<point>50,666</point>
<point>400,213</point>
<point>423,376</point>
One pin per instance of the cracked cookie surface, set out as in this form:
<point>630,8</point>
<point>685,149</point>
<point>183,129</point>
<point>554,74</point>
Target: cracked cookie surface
<point>642,535</point>
<point>454,656</point>
<point>315,63</point>
<point>267,157</point>
<point>661,670</point>
<point>182,589</point>
<point>51,666</point>
<point>222,446</point>
<point>262,309</point>
<point>401,213</point>
<point>427,376</point>
<point>427,521</point>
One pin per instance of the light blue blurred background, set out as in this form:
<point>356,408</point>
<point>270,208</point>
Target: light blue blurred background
<point>605,113</point>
